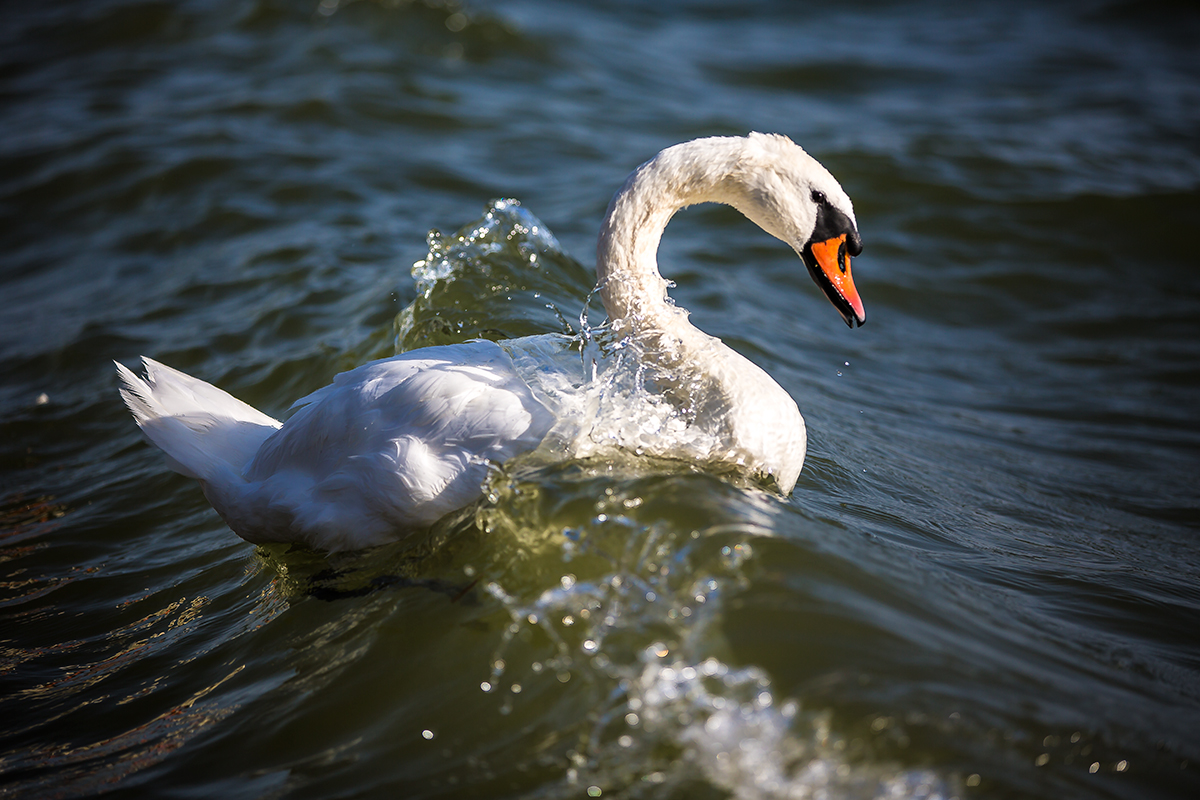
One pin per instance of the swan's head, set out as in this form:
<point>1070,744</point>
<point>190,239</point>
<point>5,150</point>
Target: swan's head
<point>787,193</point>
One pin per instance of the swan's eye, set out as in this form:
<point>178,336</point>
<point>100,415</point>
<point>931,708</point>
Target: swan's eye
<point>819,197</point>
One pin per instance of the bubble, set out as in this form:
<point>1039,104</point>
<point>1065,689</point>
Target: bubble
<point>428,734</point>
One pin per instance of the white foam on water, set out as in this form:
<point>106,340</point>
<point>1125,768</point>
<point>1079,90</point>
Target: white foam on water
<point>670,719</point>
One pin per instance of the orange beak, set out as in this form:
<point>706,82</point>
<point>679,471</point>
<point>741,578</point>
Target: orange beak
<point>829,264</point>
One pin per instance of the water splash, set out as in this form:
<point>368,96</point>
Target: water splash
<point>503,276</point>
<point>634,623</point>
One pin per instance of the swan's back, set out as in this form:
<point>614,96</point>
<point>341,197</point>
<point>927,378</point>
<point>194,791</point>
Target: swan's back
<point>391,446</point>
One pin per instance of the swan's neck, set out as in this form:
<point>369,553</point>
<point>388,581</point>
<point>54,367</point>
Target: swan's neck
<point>633,291</point>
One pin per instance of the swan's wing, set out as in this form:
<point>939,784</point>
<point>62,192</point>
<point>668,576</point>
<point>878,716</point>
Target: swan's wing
<point>395,443</point>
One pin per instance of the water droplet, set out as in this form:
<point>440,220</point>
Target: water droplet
<point>972,780</point>
<point>485,686</point>
<point>625,741</point>
<point>1094,768</point>
<point>567,581</point>
<point>590,645</point>
<point>631,719</point>
<point>1042,760</point>
<point>1122,765</point>
<point>594,791</point>
<point>515,688</point>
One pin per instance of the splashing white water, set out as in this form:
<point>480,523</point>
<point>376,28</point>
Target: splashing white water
<point>674,714</point>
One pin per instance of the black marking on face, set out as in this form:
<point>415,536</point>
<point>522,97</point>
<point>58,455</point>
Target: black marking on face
<point>832,223</point>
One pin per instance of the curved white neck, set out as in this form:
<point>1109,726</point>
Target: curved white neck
<point>631,287</point>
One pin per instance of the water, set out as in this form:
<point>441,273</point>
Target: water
<point>984,585</point>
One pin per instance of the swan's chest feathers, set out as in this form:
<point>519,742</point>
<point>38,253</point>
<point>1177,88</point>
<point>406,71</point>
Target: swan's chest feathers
<point>396,443</point>
<point>758,419</point>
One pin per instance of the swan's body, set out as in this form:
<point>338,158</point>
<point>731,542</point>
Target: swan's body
<point>395,444</point>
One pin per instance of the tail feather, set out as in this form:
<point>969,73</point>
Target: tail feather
<point>206,433</point>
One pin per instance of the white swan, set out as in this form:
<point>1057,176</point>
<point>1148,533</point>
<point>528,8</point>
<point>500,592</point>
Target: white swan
<point>396,444</point>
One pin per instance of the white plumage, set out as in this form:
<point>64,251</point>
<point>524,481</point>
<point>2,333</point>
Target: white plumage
<point>393,445</point>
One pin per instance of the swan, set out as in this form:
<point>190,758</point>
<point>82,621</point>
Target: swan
<point>393,445</point>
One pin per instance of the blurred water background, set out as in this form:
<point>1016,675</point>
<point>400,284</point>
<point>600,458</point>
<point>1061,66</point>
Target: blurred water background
<point>984,585</point>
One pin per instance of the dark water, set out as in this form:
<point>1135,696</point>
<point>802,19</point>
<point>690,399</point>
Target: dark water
<point>985,584</point>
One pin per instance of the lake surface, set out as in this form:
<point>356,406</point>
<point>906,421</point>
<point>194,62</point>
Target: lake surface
<point>986,583</point>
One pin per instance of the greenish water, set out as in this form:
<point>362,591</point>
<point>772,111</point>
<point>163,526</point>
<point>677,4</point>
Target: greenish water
<point>984,585</point>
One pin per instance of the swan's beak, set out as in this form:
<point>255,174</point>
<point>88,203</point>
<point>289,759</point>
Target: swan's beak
<point>829,264</point>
